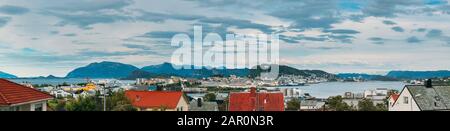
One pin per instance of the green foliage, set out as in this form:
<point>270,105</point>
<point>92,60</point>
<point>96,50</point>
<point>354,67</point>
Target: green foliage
<point>82,104</point>
<point>116,101</point>
<point>368,105</point>
<point>293,104</point>
<point>381,107</point>
<point>337,104</point>
<point>210,97</point>
<point>56,105</point>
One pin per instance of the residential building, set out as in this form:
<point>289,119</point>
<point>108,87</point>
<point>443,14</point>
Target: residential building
<point>311,105</point>
<point>256,101</point>
<point>427,97</point>
<point>158,100</point>
<point>16,97</point>
<point>200,105</point>
<point>392,99</point>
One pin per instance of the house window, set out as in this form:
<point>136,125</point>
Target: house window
<point>405,100</point>
<point>38,107</point>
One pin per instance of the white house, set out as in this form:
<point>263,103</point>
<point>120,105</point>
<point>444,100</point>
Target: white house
<point>422,98</point>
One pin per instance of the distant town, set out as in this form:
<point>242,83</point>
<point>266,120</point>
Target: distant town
<point>111,86</point>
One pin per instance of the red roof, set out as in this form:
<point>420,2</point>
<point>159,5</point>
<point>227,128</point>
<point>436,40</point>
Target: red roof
<point>395,96</point>
<point>154,99</point>
<point>256,101</point>
<point>12,93</point>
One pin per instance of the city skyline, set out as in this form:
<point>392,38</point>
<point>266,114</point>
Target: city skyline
<point>42,37</point>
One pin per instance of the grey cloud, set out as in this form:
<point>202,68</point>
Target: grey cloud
<point>377,40</point>
<point>13,10</point>
<point>86,5</point>
<point>4,21</point>
<point>421,30</point>
<point>342,31</point>
<point>434,33</point>
<point>84,20</point>
<point>341,38</point>
<point>161,34</point>
<point>388,22</point>
<point>105,54</point>
<point>413,39</point>
<point>297,39</point>
<point>136,46</point>
<point>241,24</point>
<point>388,8</point>
<point>398,29</point>
<point>70,34</point>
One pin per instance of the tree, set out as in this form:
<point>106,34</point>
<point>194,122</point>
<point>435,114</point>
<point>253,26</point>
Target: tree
<point>366,105</point>
<point>83,103</point>
<point>293,104</point>
<point>337,104</point>
<point>381,107</point>
<point>210,97</point>
<point>118,101</point>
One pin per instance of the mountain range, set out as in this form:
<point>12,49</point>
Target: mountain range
<point>103,70</point>
<point>6,75</point>
<point>419,74</point>
<point>125,71</point>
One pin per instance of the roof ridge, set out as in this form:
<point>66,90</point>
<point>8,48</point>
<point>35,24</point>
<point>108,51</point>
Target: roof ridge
<point>28,88</point>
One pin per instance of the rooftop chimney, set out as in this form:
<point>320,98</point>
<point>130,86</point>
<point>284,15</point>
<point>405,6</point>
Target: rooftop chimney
<point>199,102</point>
<point>429,83</point>
<point>253,91</point>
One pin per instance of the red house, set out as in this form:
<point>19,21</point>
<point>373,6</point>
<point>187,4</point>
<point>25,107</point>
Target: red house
<point>155,100</point>
<point>256,101</point>
<point>16,97</point>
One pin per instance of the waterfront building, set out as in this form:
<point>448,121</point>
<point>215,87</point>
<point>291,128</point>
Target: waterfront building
<point>200,105</point>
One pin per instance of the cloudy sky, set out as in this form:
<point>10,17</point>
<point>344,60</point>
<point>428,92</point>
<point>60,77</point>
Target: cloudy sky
<point>42,37</point>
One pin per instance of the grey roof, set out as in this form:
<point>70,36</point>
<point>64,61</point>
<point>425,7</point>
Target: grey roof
<point>435,98</point>
<point>311,103</point>
<point>206,106</point>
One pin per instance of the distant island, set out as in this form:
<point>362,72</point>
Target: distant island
<point>363,77</point>
<point>397,75</point>
<point>419,74</point>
